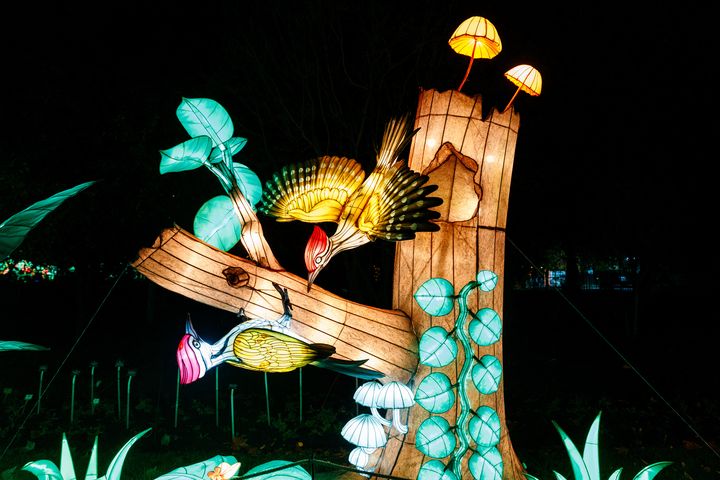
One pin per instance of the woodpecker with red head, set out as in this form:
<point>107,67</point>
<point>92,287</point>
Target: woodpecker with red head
<point>392,203</point>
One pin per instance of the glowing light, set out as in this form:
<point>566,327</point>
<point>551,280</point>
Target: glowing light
<point>527,79</point>
<point>476,37</point>
<point>367,396</point>
<point>364,431</point>
<point>396,396</point>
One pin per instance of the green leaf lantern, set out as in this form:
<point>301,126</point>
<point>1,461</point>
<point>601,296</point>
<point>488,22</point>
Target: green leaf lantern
<point>203,116</point>
<point>435,438</point>
<point>277,472</point>
<point>486,374</point>
<point>484,427</point>
<point>436,297</point>
<point>14,230</point>
<point>487,279</point>
<point>486,465</point>
<point>235,144</point>
<point>437,348</point>
<point>189,155</point>
<point>435,470</point>
<point>217,224</point>
<point>248,182</point>
<point>485,327</point>
<point>649,472</point>
<point>435,393</point>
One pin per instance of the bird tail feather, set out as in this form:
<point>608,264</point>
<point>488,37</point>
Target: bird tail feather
<point>349,367</point>
<point>396,137</point>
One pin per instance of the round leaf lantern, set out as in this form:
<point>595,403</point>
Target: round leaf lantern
<point>485,327</point>
<point>437,348</point>
<point>487,280</point>
<point>436,297</point>
<point>486,375</point>
<point>435,393</point>
<point>435,470</point>
<point>486,465</point>
<point>435,438</point>
<point>484,427</point>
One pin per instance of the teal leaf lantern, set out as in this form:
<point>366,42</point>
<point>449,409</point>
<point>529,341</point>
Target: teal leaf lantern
<point>14,230</point>
<point>189,155</point>
<point>486,374</point>
<point>486,465</point>
<point>487,280</point>
<point>435,470</point>
<point>649,472</point>
<point>6,345</point>
<point>485,327</point>
<point>235,144</point>
<point>203,116</point>
<point>437,348</point>
<point>248,182</point>
<point>436,297</point>
<point>435,393</point>
<point>484,427</point>
<point>435,438</point>
<point>217,224</point>
<point>278,470</point>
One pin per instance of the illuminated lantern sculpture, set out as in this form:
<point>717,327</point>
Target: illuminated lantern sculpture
<point>476,37</point>
<point>527,79</point>
<point>469,157</point>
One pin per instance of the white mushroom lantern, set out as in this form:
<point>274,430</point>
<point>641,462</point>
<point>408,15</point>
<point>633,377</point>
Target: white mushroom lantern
<point>396,396</point>
<point>359,458</point>
<point>367,395</point>
<point>365,431</point>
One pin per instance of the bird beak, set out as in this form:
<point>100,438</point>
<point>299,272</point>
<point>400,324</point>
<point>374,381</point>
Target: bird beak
<point>311,278</point>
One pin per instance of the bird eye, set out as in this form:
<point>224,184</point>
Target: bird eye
<point>196,344</point>
<point>318,260</point>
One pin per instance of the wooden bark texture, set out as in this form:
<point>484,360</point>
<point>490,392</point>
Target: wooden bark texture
<point>182,263</point>
<point>471,160</point>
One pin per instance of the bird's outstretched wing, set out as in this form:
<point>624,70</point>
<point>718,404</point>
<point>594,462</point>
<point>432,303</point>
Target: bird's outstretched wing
<point>313,191</point>
<point>400,206</point>
<point>270,351</point>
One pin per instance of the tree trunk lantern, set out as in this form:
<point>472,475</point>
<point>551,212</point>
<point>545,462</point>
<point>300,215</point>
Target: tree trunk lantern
<point>470,159</point>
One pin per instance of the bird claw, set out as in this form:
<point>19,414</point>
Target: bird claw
<point>285,297</point>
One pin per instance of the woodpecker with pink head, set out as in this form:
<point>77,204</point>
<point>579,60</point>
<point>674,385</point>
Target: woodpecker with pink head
<point>261,345</point>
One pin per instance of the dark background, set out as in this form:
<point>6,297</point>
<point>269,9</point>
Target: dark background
<point>614,158</point>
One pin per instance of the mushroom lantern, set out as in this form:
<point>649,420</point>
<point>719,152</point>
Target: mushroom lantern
<point>396,396</point>
<point>365,431</point>
<point>527,79</point>
<point>476,37</point>
<point>366,395</point>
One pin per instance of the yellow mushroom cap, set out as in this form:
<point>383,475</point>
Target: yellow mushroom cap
<point>476,37</point>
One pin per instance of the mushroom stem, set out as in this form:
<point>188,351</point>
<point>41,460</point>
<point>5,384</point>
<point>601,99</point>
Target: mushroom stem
<point>467,72</point>
<point>397,423</point>
<point>511,100</point>
<point>377,415</point>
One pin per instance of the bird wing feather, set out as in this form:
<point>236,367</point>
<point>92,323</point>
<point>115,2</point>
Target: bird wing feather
<point>399,206</point>
<point>314,191</point>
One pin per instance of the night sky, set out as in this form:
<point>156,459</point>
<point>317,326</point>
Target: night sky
<point>612,157</point>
